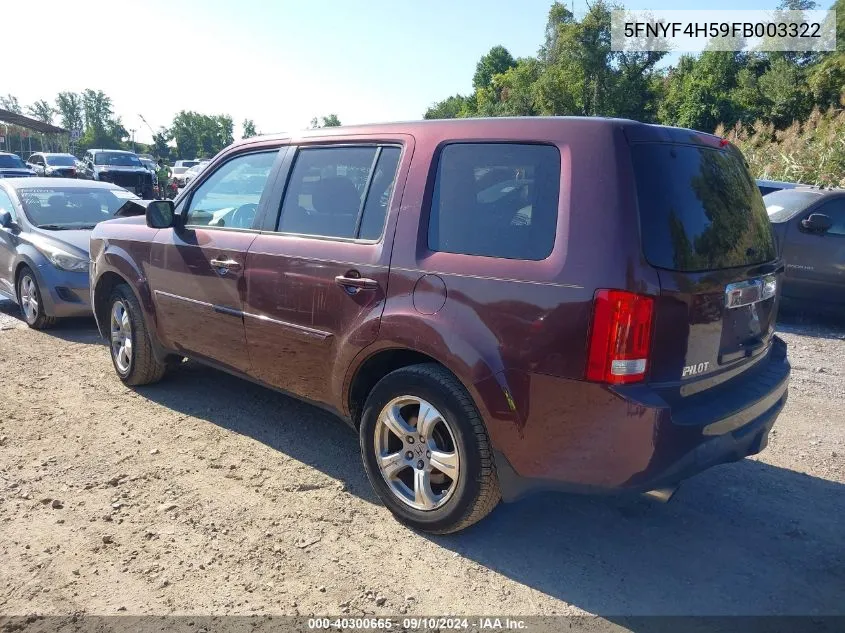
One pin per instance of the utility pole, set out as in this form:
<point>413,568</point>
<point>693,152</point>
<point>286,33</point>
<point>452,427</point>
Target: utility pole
<point>133,140</point>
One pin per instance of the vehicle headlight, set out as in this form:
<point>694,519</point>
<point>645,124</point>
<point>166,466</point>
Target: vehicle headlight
<point>770,286</point>
<point>65,261</point>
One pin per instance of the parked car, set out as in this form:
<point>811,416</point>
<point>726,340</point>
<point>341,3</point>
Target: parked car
<point>768,186</point>
<point>809,226</point>
<point>194,171</point>
<point>120,167</point>
<point>151,166</point>
<point>179,172</point>
<point>583,304</point>
<point>45,224</point>
<point>11,166</point>
<point>53,165</point>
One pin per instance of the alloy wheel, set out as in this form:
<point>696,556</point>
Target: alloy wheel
<point>29,298</point>
<point>417,453</point>
<point>121,337</point>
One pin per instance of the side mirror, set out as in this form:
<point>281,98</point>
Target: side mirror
<point>160,214</point>
<point>817,223</point>
<point>5,219</point>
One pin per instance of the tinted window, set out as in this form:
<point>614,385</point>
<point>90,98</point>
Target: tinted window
<point>10,161</point>
<point>495,200</point>
<point>116,159</point>
<point>835,210</point>
<point>229,197</point>
<point>699,208</point>
<point>782,205</point>
<point>326,192</point>
<point>61,161</point>
<point>71,207</point>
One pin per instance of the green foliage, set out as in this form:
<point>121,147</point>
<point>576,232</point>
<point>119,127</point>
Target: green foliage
<point>812,151</point>
<point>42,111</point>
<point>326,121</point>
<point>10,103</point>
<point>69,109</point>
<point>449,108</point>
<point>496,62</point>
<point>200,135</point>
<point>249,128</point>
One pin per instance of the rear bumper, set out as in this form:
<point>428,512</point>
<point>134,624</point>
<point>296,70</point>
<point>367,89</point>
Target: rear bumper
<point>646,439</point>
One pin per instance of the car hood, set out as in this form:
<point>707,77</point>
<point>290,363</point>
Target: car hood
<point>77,239</point>
<point>15,172</point>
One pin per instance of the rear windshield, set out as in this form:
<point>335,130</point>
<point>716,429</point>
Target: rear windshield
<point>699,208</point>
<point>58,208</point>
<point>782,205</point>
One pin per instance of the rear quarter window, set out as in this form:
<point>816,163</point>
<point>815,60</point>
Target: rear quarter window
<point>699,208</point>
<point>495,200</point>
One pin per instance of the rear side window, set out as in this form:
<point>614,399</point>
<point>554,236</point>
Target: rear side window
<point>495,200</point>
<point>699,208</point>
<point>340,192</point>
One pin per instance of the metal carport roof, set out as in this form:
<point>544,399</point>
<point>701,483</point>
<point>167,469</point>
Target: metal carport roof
<point>33,124</point>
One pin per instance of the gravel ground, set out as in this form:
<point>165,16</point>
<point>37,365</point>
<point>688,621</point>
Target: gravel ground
<point>206,494</point>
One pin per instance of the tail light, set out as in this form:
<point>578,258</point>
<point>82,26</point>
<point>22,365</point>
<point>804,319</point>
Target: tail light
<point>620,337</point>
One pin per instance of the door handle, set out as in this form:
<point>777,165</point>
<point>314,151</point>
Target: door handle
<point>355,283</point>
<point>225,265</point>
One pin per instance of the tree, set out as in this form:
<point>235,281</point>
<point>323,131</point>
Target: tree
<point>42,111</point>
<point>249,128</point>
<point>161,145</point>
<point>496,62</point>
<point>69,109</point>
<point>102,129</point>
<point>326,121</point>
<point>200,135</point>
<point>10,103</point>
<point>449,108</point>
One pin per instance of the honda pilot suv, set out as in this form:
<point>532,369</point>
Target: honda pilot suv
<point>495,305</point>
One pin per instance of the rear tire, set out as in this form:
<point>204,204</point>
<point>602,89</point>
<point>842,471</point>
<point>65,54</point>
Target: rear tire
<point>31,301</point>
<point>426,451</point>
<point>129,341</point>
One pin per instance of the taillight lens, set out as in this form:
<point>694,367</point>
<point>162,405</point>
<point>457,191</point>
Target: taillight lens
<point>620,338</point>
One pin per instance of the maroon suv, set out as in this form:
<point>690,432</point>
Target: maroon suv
<point>495,305</point>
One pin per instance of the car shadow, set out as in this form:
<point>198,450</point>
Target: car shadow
<point>745,538</point>
<point>813,323</point>
<point>74,330</point>
<point>741,539</point>
<point>297,429</point>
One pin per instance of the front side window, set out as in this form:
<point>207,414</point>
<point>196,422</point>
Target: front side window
<point>6,205</point>
<point>495,200</point>
<point>835,210</point>
<point>340,192</point>
<point>229,197</point>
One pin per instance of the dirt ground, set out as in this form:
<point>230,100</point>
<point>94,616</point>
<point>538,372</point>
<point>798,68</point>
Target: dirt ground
<point>206,494</point>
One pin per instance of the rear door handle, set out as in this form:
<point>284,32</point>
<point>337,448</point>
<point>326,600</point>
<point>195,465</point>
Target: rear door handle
<point>356,283</point>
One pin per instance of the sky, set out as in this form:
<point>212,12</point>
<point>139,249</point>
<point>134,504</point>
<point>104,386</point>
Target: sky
<point>278,62</point>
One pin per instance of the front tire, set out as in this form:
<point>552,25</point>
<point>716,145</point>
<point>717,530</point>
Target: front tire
<point>129,342</point>
<point>31,302</point>
<point>426,451</point>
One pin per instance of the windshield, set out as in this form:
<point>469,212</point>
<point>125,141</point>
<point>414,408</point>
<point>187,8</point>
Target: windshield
<point>60,161</point>
<point>11,161</point>
<point>178,171</point>
<point>71,207</point>
<point>699,208</point>
<point>116,159</point>
<point>782,205</point>
<point>188,163</point>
